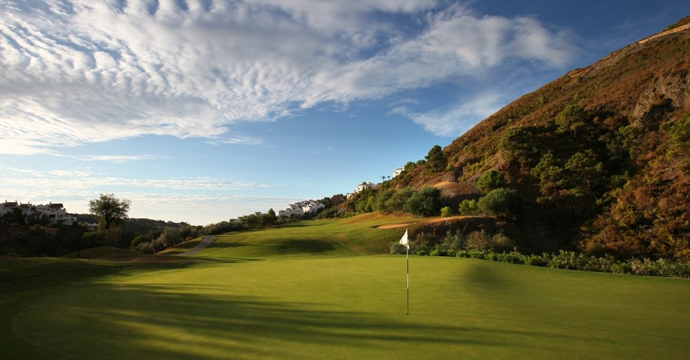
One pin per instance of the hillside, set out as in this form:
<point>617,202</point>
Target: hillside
<point>600,156</point>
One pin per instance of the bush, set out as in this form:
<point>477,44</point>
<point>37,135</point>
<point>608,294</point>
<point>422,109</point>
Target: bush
<point>399,199</point>
<point>491,180</point>
<point>502,203</point>
<point>500,242</point>
<point>426,202</point>
<point>453,242</point>
<point>395,248</point>
<point>446,211</point>
<point>562,259</point>
<point>479,241</point>
<point>468,207</point>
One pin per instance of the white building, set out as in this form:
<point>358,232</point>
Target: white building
<point>301,208</point>
<point>398,171</point>
<point>363,186</point>
<point>55,213</point>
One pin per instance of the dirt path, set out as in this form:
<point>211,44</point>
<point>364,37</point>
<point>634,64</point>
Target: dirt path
<point>205,242</point>
<point>431,221</point>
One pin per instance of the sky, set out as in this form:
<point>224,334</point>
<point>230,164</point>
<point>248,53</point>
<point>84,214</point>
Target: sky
<point>206,110</point>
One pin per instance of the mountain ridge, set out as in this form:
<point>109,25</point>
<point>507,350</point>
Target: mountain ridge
<point>627,115</point>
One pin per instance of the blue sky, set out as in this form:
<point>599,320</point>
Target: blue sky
<point>205,110</point>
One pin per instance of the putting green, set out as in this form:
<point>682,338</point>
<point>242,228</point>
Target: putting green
<point>310,298</point>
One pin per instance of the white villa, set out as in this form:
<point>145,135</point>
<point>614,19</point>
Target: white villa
<point>56,213</point>
<point>398,171</point>
<point>363,186</point>
<point>300,208</point>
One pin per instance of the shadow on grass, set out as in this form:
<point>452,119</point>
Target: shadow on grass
<point>177,322</point>
<point>305,246</point>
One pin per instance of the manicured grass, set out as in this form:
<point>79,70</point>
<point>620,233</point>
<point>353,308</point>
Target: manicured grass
<point>299,292</point>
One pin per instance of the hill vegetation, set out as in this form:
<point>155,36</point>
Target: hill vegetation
<point>598,160</point>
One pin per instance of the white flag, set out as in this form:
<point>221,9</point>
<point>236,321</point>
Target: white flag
<point>404,242</point>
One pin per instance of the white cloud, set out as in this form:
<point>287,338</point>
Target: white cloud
<point>82,71</point>
<point>119,158</point>
<point>458,119</point>
<point>193,208</point>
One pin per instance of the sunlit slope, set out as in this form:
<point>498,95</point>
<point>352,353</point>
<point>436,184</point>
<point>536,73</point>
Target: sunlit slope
<point>351,236</point>
<point>354,308</point>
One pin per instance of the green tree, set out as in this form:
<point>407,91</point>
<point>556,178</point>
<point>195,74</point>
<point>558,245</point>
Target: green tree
<point>679,131</point>
<point>436,160</point>
<point>518,144</point>
<point>468,207</point>
<point>491,180</point>
<point>399,199</point>
<point>552,178</point>
<point>446,211</point>
<point>109,209</point>
<point>382,200</point>
<point>502,203</point>
<point>371,204</point>
<point>584,174</point>
<point>572,119</point>
<point>426,202</point>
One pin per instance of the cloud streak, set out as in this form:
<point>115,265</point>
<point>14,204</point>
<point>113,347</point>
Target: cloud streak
<point>84,71</point>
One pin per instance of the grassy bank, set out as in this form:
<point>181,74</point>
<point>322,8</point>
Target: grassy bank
<point>307,292</point>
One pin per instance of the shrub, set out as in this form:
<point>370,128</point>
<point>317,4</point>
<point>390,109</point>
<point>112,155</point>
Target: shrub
<point>436,160</point>
<point>468,207</point>
<point>500,242</point>
<point>395,248</point>
<point>502,203</point>
<point>478,241</point>
<point>491,180</point>
<point>426,202</point>
<point>399,199</point>
<point>446,211</point>
<point>453,242</point>
<point>573,118</point>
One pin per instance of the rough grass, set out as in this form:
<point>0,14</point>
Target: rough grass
<point>299,292</point>
<point>105,252</point>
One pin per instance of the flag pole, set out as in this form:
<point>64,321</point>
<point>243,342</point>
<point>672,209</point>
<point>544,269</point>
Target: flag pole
<point>404,241</point>
<point>407,257</point>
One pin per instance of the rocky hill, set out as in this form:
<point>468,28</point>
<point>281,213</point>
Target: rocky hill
<point>600,156</point>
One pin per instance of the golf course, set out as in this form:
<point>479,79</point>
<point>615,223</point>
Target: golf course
<point>325,290</point>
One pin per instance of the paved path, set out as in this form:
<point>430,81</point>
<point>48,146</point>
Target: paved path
<point>206,241</point>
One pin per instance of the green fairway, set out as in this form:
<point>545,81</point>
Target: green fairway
<point>307,291</point>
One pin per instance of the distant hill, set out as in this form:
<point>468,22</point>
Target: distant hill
<point>133,225</point>
<point>601,156</point>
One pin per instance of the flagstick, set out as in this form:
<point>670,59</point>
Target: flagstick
<point>407,256</point>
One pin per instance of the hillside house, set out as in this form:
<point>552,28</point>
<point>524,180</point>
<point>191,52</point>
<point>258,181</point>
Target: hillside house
<point>300,208</point>
<point>55,213</point>
<point>398,171</point>
<point>363,186</point>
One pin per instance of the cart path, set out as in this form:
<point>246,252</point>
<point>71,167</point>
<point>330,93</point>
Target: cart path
<point>205,242</point>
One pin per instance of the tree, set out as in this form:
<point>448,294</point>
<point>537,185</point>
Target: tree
<point>383,198</point>
<point>110,209</point>
<point>468,207</point>
<point>552,178</point>
<point>571,119</point>
<point>585,173</point>
<point>436,160</point>
<point>446,211</point>
<point>491,180</point>
<point>426,202</point>
<point>502,203</point>
<point>399,199</point>
<point>518,144</point>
